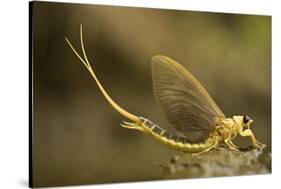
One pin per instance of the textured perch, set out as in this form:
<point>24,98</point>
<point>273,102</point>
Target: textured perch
<point>218,162</point>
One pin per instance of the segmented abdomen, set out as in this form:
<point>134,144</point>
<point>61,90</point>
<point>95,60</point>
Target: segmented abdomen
<point>173,140</point>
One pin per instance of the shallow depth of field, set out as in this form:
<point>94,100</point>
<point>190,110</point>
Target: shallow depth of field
<point>77,135</point>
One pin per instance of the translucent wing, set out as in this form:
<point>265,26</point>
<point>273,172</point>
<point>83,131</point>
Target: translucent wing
<point>186,104</point>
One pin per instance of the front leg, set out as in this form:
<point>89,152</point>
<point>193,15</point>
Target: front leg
<point>255,142</point>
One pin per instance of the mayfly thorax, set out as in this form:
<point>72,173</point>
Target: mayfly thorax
<point>187,106</point>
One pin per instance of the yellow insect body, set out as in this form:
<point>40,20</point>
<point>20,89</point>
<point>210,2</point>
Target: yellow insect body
<point>170,139</point>
<point>187,106</point>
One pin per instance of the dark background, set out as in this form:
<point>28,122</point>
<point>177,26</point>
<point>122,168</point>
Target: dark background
<point>76,134</point>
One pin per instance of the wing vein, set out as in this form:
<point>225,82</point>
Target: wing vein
<point>186,104</point>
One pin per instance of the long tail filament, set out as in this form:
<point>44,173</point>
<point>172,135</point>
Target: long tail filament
<point>87,64</point>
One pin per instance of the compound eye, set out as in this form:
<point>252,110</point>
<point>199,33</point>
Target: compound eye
<point>246,119</point>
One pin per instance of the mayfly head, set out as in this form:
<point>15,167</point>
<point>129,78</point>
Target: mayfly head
<point>247,121</point>
<point>243,122</point>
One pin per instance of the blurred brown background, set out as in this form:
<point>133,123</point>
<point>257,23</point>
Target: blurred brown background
<point>77,137</point>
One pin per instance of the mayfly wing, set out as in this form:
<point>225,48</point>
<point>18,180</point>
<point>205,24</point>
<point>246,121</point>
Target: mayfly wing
<point>186,104</point>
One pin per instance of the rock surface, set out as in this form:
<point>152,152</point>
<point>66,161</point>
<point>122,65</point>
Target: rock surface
<point>218,162</point>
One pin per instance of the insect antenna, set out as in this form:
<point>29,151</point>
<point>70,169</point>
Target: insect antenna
<point>87,64</point>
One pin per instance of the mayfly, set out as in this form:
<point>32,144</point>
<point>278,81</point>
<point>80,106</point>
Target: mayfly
<point>187,106</point>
